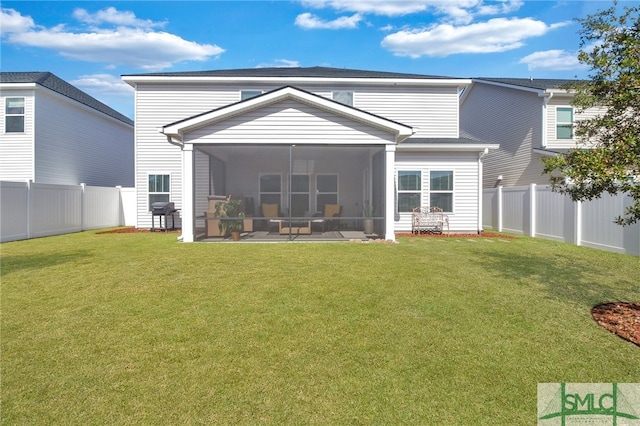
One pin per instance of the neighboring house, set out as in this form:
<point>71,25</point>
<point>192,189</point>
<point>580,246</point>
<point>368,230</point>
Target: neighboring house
<point>345,136</point>
<point>54,133</point>
<point>528,118</point>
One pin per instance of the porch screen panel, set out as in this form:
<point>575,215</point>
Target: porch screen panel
<point>271,189</point>
<point>299,195</point>
<point>409,190</point>
<point>326,191</point>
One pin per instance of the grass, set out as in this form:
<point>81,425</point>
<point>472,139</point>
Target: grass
<point>141,329</point>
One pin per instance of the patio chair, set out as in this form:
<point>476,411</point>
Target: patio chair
<point>330,210</point>
<point>269,212</point>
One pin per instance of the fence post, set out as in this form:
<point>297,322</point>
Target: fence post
<point>499,197</point>
<point>578,223</point>
<point>82,205</point>
<point>29,182</point>
<point>532,210</point>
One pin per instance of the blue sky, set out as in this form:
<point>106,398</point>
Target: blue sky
<point>91,44</point>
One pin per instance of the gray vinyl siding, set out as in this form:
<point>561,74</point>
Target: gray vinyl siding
<point>75,144</point>
<point>16,149</point>
<point>287,122</point>
<point>432,112</point>
<point>513,119</point>
<point>66,143</point>
<point>560,102</point>
<point>465,186</point>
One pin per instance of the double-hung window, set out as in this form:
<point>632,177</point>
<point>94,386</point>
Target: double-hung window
<point>441,190</point>
<point>409,190</point>
<point>270,189</point>
<point>159,189</point>
<point>14,115</point>
<point>564,123</point>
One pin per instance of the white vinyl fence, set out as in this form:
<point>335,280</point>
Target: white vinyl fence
<point>32,210</point>
<point>537,211</point>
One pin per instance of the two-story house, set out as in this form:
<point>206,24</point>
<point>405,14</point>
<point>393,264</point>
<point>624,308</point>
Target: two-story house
<point>303,138</point>
<point>528,118</point>
<point>54,133</point>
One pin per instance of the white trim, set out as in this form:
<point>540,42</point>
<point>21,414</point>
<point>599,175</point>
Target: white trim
<point>390,208</point>
<point>447,147</point>
<point>136,79</point>
<point>178,129</point>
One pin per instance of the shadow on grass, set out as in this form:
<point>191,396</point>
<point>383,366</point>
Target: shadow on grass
<point>564,277</point>
<point>19,263</point>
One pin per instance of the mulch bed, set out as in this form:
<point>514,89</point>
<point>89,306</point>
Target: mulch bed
<point>620,318</point>
<point>455,235</point>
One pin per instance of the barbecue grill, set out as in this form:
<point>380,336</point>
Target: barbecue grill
<point>162,209</point>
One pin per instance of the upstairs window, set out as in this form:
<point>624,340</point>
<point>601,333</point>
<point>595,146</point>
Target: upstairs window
<point>14,115</point>
<point>564,123</point>
<point>344,97</point>
<point>409,190</point>
<point>248,94</point>
<point>158,189</point>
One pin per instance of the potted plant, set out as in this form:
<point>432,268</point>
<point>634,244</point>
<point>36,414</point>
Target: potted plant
<point>231,217</point>
<point>367,212</point>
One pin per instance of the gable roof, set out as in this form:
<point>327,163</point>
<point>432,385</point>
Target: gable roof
<point>178,128</point>
<point>285,72</point>
<point>58,85</point>
<point>283,76</point>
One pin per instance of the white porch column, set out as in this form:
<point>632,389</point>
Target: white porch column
<point>390,193</point>
<point>188,194</point>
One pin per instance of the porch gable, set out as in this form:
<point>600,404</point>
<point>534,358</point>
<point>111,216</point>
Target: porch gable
<point>278,102</point>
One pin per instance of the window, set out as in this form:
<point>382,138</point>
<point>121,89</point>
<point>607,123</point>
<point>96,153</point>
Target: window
<point>564,123</point>
<point>299,195</point>
<point>158,189</point>
<point>270,189</point>
<point>409,190</point>
<point>248,94</point>
<point>14,115</point>
<point>344,97</point>
<point>441,190</point>
<point>326,191</point>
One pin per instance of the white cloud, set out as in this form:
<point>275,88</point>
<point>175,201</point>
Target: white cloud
<point>111,15</point>
<point>494,35</point>
<point>103,84</point>
<point>12,21</point>
<point>458,11</point>
<point>132,44</point>
<point>310,21</point>
<point>556,60</point>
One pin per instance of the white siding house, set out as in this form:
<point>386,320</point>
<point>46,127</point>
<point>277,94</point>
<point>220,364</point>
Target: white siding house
<point>301,137</point>
<point>528,118</point>
<point>54,133</point>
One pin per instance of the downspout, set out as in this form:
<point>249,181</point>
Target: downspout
<point>480,188</point>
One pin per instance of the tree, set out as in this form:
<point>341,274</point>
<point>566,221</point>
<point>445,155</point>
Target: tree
<point>610,46</point>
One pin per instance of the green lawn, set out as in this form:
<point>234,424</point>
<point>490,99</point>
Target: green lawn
<point>141,329</point>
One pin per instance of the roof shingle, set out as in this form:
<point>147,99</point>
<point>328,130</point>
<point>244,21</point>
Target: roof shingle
<point>52,82</point>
